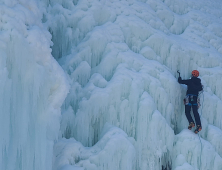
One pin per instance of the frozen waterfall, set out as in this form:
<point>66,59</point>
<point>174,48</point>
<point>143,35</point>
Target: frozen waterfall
<point>33,87</point>
<point>92,84</point>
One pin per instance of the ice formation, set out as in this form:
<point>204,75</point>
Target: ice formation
<point>32,88</point>
<point>114,145</point>
<point>117,60</point>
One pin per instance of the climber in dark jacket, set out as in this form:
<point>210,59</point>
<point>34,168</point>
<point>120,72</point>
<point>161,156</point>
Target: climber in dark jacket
<point>193,88</point>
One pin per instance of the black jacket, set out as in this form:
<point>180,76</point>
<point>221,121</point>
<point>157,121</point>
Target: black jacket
<point>193,85</point>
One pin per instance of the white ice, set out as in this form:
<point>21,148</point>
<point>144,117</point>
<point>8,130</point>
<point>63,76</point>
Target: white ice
<point>32,89</point>
<point>109,99</point>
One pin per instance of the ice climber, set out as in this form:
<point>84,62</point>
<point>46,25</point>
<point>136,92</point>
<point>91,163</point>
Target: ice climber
<point>194,86</point>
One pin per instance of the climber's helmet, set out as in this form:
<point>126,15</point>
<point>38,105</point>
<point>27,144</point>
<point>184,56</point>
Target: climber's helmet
<point>195,73</point>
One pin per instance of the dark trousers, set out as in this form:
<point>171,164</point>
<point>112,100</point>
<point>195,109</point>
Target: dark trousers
<point>195,113</point>
<point>193,104</point>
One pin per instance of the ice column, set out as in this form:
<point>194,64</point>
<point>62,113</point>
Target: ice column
<point>32,89</point>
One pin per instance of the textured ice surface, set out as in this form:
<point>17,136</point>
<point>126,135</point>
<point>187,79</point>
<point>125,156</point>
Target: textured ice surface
<point>32,89</point>
<point>198,152</point>
<point>114,149</point>
<point>122,62</point>
<point>124,108</point>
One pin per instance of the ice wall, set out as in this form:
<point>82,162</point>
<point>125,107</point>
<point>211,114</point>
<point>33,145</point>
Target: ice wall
<point>121,58</point>
<point>124,107</point>
<point>32,88</point>
<point>195,151</point>
<point>114,149</point>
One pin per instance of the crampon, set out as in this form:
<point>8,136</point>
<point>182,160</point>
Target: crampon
<point>191,125</point>
<point>198,129</point>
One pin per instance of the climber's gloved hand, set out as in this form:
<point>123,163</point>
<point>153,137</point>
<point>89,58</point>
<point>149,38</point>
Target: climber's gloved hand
<point>179,79</point>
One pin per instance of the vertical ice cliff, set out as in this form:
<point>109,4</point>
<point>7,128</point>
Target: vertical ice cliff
<point>32,89</point>
<point>118,59</point>
<point>121,58</point>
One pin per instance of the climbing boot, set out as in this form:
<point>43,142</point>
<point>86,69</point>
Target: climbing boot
<point>191,125</point>
<point>198,129</point>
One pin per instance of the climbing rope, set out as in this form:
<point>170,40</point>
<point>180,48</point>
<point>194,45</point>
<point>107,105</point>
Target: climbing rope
<point>198,133</point>
<point>200,118</point>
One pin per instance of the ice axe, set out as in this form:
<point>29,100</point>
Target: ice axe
<point>178,72</point>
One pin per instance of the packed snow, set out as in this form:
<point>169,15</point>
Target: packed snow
<point>92,84</point>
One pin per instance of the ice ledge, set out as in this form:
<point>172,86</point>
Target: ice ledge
<point>113,151</point>
<point>196,152</point>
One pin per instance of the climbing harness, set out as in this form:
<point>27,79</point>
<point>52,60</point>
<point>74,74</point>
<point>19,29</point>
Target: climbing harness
<point>189,100</point>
